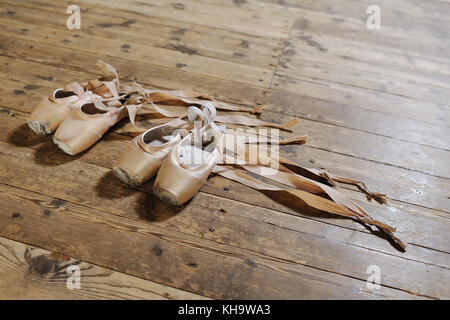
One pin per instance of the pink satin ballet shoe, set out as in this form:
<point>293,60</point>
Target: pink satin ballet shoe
<point>190,162</point>
<point>90,121</point>
<point>142,157</point>
<point>51,111</point>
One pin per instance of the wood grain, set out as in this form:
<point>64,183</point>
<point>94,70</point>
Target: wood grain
<point>28,272</point>
<point>155,32</point>
<point>375,105</point>
<point>176,259</point>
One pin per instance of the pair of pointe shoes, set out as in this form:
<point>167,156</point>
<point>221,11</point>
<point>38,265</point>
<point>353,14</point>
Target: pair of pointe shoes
<point>78,115</point>
<point>181,161</point>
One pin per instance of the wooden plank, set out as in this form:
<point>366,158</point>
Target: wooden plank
<point>318,103</point>
<point>27,272</point>
<point>161,56</point>
<point>400,184</point>
<point>351,24</point>
<point>271,23</point>
<point>337,58</point>
<point>426,46</point>
<point>409,15</point>
<point>374,53</point>
<point>153,32</point>
<point>175,259</point>
<point>374,148</point>
<point>300,59</point>
<point>264,23</point>
<point>433,135</point>
<point>96,187</point>
<point>306,77</point>
<point>307,57</point>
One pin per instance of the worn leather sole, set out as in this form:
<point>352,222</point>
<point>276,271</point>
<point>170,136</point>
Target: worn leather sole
<point>39,127</point>
<point>168,197</point>
<point>125,177</point>
<point>61,145</point>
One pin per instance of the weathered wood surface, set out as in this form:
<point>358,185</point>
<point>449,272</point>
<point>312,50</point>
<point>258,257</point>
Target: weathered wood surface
<point>28,272</point>
<point>375,104</point>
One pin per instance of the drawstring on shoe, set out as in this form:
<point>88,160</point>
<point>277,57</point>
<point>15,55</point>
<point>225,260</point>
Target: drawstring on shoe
<point>207,114</point>
<point>210,113</point>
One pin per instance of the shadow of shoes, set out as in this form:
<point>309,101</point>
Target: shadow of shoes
<point>49,155</point>
<point>153,209</point>
<point>110,187</point>
<point>23,136</point>
<point>148,206</point>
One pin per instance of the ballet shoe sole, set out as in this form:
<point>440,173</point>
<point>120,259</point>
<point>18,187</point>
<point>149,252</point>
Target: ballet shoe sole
<point>167,197</point>
<point>39,127</point>
<point>61,145</point>
<point>123,176</point>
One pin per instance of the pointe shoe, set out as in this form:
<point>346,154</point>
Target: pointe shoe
<point>89,122</point>
<point>190,162</point>
<point>143,156</point>
<point>51,111</point>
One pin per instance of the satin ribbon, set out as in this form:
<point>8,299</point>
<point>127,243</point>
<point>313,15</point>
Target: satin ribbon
<point>309,200</point>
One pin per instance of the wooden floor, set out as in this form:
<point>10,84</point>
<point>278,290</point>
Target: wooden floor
<point>376,105</point>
